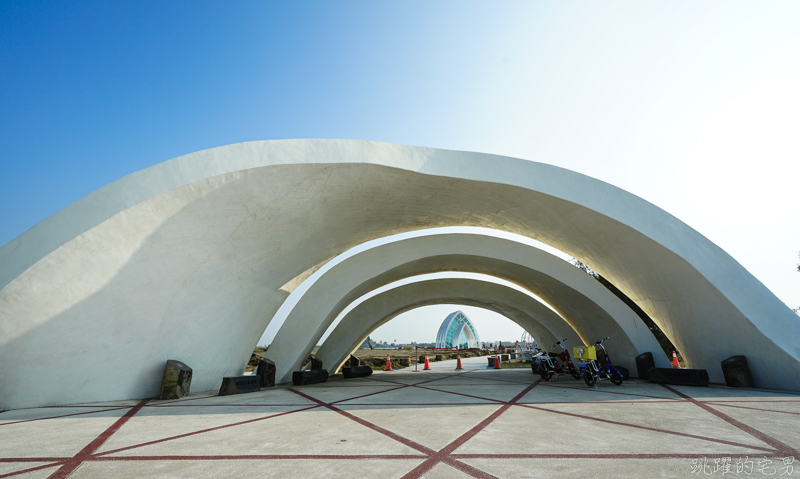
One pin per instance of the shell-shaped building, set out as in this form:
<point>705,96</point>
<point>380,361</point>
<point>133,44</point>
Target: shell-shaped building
<point>457,331</point>
<point>192,258</point>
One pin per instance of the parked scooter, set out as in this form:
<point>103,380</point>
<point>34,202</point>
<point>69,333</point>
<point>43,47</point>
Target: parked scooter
<point>537,356</point>
<point>549,365</point>
<point>601,368</point>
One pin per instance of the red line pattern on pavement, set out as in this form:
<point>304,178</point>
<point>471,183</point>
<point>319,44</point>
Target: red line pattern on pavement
<point>257,457</point>
<point>443,453</point>
<point>64,415</point>
<point>783,448</point>
<point>647,428</point>
<point>429,457</point>
<point>596,391</point>
<point>751,401</point>
<point>73,463</point>
<point>24,471</point>
<point>714,403</point>
<point>710,455</point>
<point>385,432</point>
<point>180,436</point>
<point>753,390</point>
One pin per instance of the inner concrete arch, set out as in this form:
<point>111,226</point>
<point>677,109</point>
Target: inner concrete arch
<point>187,259</point>
<point>592,310</point>
<point>541,322</point>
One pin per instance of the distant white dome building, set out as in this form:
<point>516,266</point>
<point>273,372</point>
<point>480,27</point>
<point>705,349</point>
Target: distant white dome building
<point>457,331</point>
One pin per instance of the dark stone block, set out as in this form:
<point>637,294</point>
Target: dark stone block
<point>504,357</point>
<point>491,360</point>
<point>680,377</point>
<point>737,373</point>
<point>301,378</point>
<point>239,385</point>
<point>439,357</point>
<point>644,363</point>
<point>176,380</point>
<point>624,371</point>
<point>266,373</point>
<point>356,372</point>
<point>405,362</point>
<point>316,364</point>
<point>352,361</point>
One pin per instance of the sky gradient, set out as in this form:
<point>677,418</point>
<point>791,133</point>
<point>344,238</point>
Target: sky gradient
<point>692,106</point>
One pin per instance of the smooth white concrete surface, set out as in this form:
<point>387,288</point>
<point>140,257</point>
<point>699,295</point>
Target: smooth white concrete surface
<point>592,310</point>
<point>541,322</point>
<point>186,260</point>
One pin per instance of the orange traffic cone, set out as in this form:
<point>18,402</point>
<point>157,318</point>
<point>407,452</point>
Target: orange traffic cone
<point>388,363</point>
<point>675,360</point>
<point>497,362</point>
<point>427,364</point>
<point>458,364</point>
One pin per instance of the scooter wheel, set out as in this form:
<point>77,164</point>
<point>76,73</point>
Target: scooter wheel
<point>616,378</point>
<point>544,374</point>
<point>589,378</point>
<point>575,374</point>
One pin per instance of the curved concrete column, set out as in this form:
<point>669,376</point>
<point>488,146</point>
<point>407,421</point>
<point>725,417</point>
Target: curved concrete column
<point>189,259</point>
<point>592,310</point>
<point>542,323</point>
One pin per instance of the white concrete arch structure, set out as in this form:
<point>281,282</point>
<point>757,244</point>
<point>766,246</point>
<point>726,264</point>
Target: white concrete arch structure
<point>189,259</point>
<point>592,310</point>
<point>542,323</point>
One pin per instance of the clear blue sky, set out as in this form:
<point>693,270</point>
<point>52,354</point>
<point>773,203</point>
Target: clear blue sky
<point>90,92</point>
<point>691,105</point>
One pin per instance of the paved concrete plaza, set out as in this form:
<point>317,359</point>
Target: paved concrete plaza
<point>435,424</point>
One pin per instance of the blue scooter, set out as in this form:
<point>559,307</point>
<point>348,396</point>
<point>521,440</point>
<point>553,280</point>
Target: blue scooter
<point>601,368</point>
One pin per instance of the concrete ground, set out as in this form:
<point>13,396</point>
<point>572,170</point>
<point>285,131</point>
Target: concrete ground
<point>436,424</point>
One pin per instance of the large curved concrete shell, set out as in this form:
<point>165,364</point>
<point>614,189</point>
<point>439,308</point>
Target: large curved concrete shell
<point>589,308</point>
<point>189,259</point>
<point>542,323</point>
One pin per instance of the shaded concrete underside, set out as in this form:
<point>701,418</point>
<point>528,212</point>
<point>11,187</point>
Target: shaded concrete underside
<point>589,308</point>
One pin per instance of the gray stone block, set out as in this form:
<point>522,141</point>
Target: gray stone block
<point>266,373</point>
<point>737,373</point>
<point>176,380</point>
<point>644,364</point>
<point>679,377</point>
<point>316,364</point>
<point>239,385</point>
<point>356,372</point>
<point>352,361</point>
<point>300,378</point>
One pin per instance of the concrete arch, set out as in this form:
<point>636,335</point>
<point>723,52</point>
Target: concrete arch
<point>542,323</point>
<point>188,259</point>
<point>590,308</point>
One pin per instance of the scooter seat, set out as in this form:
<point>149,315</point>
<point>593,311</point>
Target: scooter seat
<point>553,355</point>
